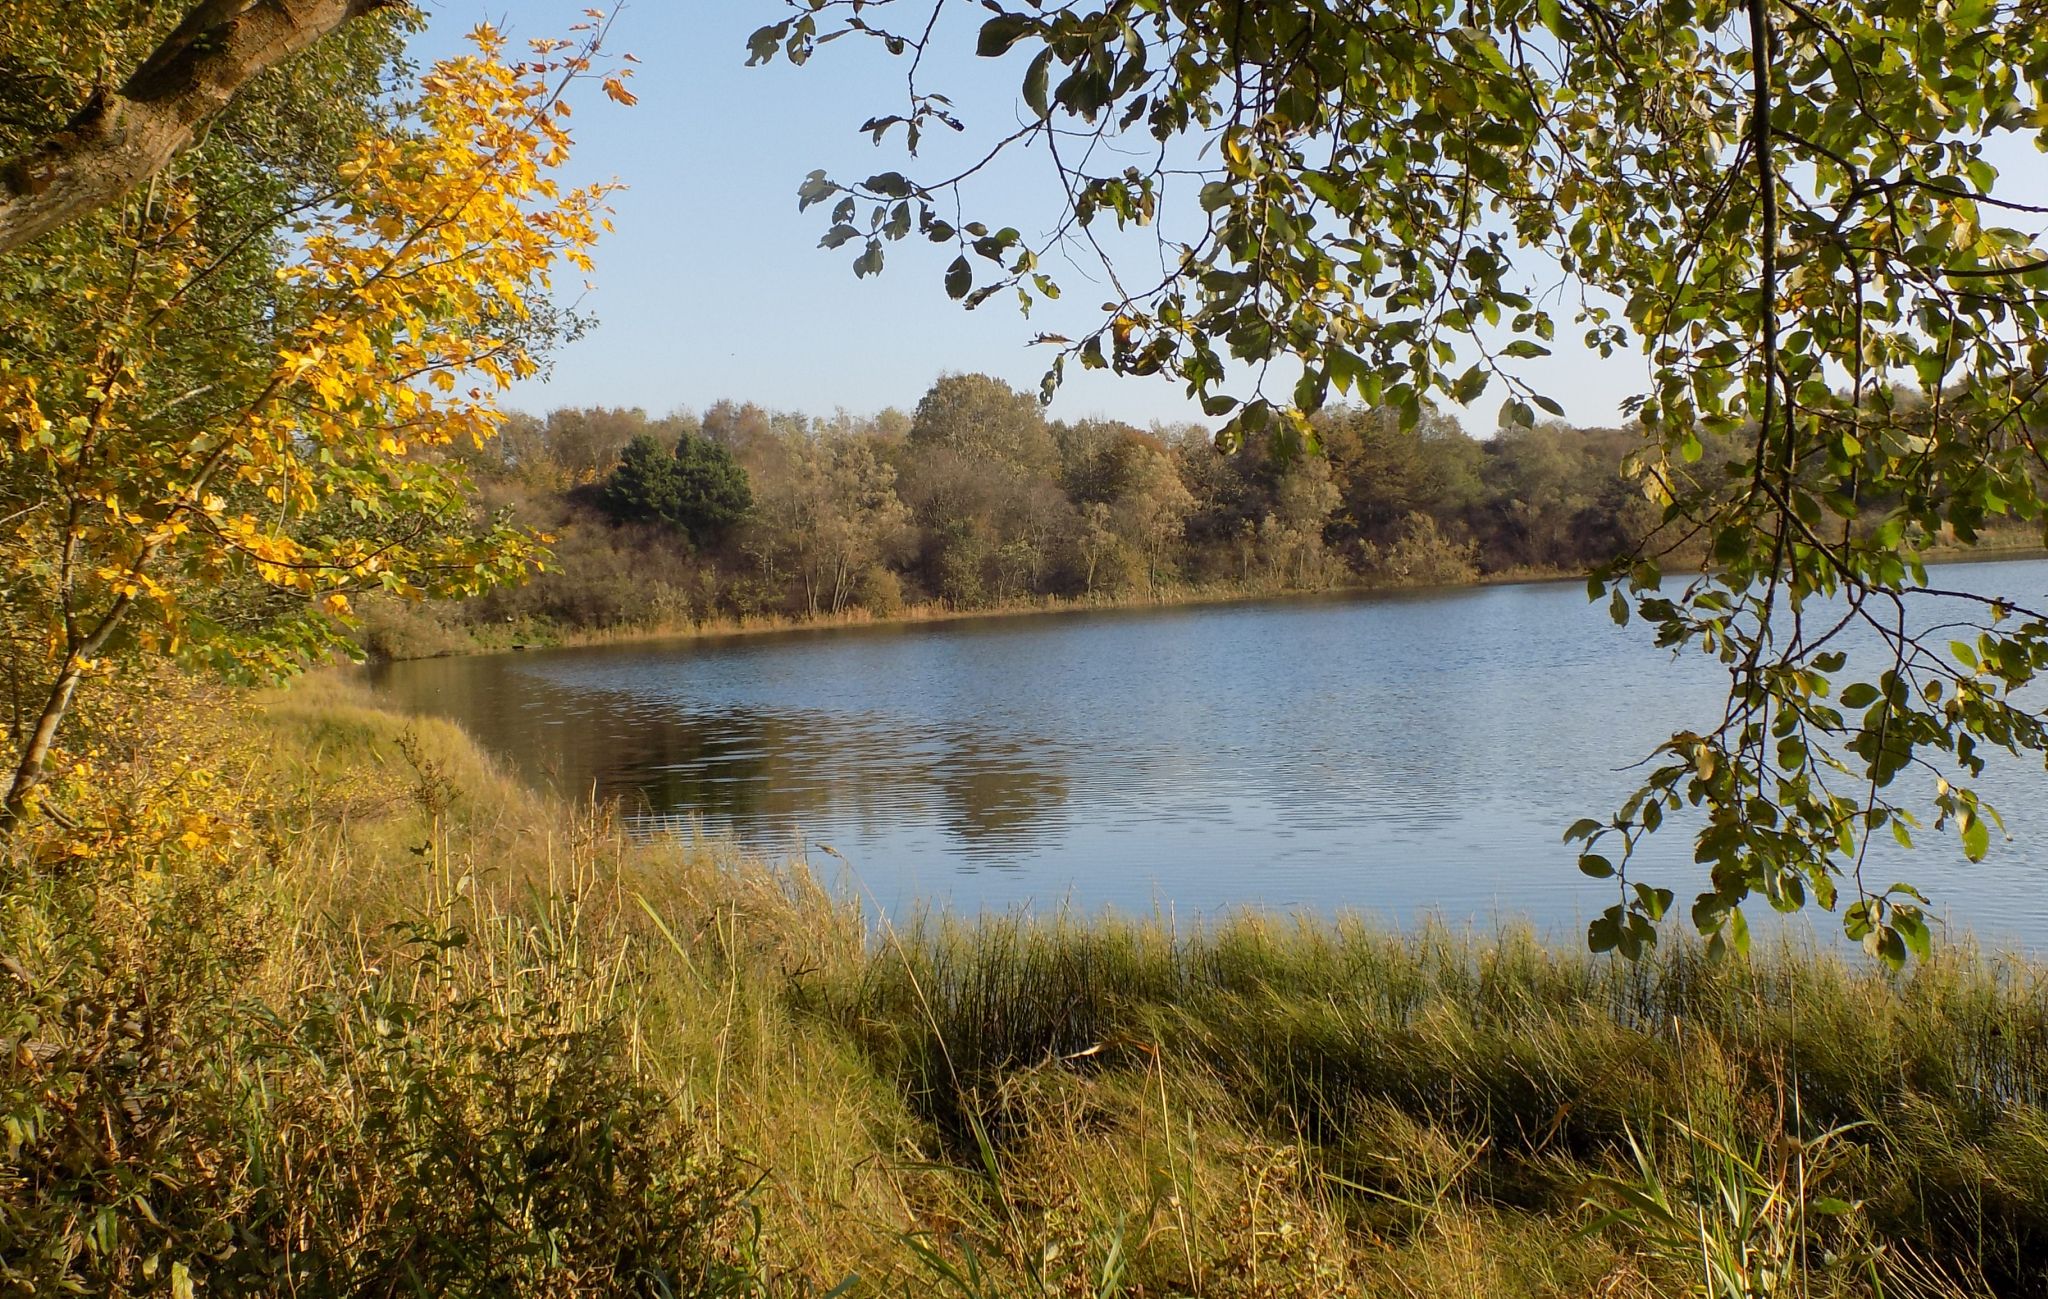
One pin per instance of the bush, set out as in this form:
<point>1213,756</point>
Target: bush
<point>880,591</point>
<point>397,628</point>
<point>198,1095</point>
<point>1423,556</point>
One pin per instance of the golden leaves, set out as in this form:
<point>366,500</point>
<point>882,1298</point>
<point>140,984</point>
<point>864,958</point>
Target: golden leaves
<point>392,341</point>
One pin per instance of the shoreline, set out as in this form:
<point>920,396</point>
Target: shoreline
<point>555,637</point>
<point>928,614</point>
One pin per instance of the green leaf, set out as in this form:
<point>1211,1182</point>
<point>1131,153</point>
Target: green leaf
<point>1035,83</point>
<point>1653,901</point>
<point>959,277</point>
<point>1580,828</point>
<point>1594,864</point>
<point>1912,929</point>
<point>765,42</point>
<point>815,189</point>
<point>999,33</point>
<point>1976,838</point>
<point>1859,695</point>
<point>1604,934</point>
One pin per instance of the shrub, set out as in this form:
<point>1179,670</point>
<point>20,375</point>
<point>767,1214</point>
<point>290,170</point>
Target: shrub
<point>880,591</point>
<point>199,1095</point>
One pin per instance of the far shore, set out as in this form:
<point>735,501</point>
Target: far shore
<point>550,636</point>
<point>524,637</point>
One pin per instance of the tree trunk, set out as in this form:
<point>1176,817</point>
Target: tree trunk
<point>28,773</point>
<point>119,140</point>
<point>842,583</point>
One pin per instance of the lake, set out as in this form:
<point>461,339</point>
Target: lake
<point>1402,755</point>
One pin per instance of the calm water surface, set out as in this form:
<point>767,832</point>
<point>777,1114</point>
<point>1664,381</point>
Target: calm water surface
<point>1403,756</point>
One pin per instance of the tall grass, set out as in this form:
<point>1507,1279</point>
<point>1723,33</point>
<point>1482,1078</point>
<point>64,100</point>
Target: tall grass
<point>1416,1067</point>
<point>428,1033</point>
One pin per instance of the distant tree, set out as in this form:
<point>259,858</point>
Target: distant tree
<point>714,488</point>
<point>1104,458</point>
<point>1304,497</point>
<point>891,425</point>
<point>1390,470</point>
<point>985,419</point>
<point>1081,445</point>
<point>646,486</point>
<point>1151,509</point>
<point>586,442</point>
<point>747,430</point>
<point>1094,542</point>
<point>698,487</point>
<point>830,520</point>
<point>959,554</point>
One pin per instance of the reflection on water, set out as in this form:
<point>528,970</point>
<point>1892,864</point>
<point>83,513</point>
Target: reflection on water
<point>1396,755</point>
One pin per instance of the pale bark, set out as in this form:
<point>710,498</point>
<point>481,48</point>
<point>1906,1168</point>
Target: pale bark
<point>121,138</point>
<point>28,773</point>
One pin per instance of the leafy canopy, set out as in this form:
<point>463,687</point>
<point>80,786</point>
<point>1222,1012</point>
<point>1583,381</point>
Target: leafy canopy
<point>1789,208</point>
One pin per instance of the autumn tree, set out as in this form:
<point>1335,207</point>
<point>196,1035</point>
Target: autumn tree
<point>838,516</point>
<point>201,395</point>
<point>984,419</point>
<point>1391,469</point>
<point>1094,542</point>
<point>1791,210</point>
<point>1151,509</point>
<point>1305,496</point>
<point>586,443</point>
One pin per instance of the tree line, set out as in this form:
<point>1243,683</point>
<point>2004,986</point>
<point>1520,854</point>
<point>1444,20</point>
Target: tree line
<point>975,499</point>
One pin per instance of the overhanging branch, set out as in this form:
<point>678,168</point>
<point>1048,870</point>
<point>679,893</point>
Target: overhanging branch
<point>120,139</point>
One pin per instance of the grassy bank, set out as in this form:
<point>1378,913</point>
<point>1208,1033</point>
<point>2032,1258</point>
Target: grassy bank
<point>396,630</point>
<point>360,1015</point>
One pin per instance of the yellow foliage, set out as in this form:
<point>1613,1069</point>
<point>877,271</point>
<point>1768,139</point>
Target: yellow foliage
<point>308,465</point>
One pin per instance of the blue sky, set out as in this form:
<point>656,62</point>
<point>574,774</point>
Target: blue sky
<point>713,285</point>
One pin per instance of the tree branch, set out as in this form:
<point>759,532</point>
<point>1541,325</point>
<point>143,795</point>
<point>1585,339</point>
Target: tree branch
<point>119,140</point>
